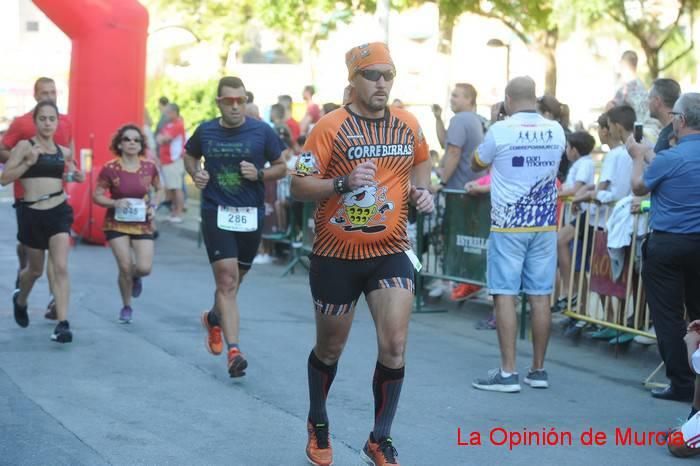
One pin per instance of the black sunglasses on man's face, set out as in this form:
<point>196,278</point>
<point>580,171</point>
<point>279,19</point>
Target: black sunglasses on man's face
<point>374,75</point>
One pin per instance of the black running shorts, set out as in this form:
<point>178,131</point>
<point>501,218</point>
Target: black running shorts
<point>336,284</point>
<point>224,244</point>
<point>111,234</point>
<point>36,226</point>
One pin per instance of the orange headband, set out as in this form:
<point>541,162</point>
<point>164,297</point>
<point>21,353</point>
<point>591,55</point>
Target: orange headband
<point>362,56</point>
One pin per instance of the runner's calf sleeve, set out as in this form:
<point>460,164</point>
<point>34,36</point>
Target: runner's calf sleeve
<point>320,379</point>
<point>386,386</point>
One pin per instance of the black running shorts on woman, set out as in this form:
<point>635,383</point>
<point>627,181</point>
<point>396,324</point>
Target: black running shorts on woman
<point>36,227</point>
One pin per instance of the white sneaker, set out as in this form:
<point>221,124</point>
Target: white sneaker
<point>262,259</point>
<point>642,340</point>
<point>434,283</point>
<point>438,290</point>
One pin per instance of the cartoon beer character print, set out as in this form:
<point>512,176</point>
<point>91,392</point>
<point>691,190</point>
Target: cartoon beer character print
<point>363,210</point>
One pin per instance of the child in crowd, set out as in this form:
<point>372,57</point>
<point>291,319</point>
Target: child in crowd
<point>579,146</point>
<point>614,184</point>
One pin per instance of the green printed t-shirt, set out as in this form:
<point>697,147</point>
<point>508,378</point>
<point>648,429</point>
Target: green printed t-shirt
<point>224,149</point>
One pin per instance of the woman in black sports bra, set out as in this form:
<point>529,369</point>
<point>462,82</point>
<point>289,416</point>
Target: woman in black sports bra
<point>45,217</point>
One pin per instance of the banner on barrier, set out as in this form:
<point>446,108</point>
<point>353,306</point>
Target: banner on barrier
<point>467,224</point>
<point>601,270</point>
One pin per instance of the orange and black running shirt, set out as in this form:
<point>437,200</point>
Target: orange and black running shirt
<point>370,221</point>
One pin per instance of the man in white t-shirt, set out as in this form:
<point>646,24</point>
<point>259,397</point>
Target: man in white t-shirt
<point>581,174</point>
<point>524,153</point>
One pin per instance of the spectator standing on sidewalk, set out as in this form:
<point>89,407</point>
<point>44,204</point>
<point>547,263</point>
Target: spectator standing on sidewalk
<point>523,153</point>
<point>662,97</point>
<point>162,119</point>
<point>292,124</point>
<point>313,111</point>
<point>632,92</point>
<point>672,253</point>
<point>171,143</point>
<point>549,107</point>
<point>464,134</point>
<point>251,109</point>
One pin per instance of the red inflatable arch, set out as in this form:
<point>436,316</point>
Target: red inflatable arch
<point>107,85</point>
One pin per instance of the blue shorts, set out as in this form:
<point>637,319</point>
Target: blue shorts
<point>521,261</point>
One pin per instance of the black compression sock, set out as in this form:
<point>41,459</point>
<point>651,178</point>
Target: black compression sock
<point>320,379</point>
<point>387,389</point>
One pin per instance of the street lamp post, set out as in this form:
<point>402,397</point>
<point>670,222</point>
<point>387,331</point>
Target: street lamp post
<point>500,43</point>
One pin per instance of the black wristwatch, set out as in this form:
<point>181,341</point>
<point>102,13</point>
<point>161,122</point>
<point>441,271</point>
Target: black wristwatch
<point>341,185</point>
<point>261,174</point>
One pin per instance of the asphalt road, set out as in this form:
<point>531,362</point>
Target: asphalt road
<point>149,393</point>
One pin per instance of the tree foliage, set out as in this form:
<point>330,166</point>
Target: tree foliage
<point>219,22</point>
<point>314,19</point>
<point>658,26</point>
<point>532,21</point>
<point>195,99</point>
<point>537,23</point>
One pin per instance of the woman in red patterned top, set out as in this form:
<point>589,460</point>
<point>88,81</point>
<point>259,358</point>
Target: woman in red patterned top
<point>129,179</point>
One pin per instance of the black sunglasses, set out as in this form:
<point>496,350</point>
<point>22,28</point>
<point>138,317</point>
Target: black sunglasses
<point>128,139</point>
<point>374,75</point>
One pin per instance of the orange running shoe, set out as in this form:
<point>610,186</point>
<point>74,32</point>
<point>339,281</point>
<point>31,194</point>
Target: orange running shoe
<point>318,448</point>
<point>379,454</point>
<point>213,341</point>
<point>236,363</point>
<point>463,291</point>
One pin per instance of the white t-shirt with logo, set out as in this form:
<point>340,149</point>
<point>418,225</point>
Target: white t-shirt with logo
<point>524,152</point>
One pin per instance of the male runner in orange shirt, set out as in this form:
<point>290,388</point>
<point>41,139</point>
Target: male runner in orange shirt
<point>363,164</point>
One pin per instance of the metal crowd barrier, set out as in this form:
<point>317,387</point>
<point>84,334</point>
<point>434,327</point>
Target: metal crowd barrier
<point>612,302</point>
<point>451,242</point>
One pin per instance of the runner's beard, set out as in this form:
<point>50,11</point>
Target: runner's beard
<point>376,106</point>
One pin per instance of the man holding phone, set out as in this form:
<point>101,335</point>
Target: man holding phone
<point>672,253</point>
<point>235,149</point>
